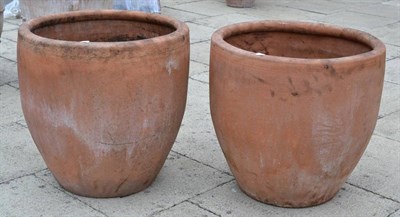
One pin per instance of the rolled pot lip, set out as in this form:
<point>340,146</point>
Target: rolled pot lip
<point>219,36</point>
<point>26,33</point>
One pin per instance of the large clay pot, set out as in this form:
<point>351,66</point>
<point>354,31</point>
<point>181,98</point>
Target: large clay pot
<point>104,114</point>
<point>36,8</point>
<point>294,106</point>
<point>240,3</point>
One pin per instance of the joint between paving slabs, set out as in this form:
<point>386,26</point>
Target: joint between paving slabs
<point>6,57</point>
<point>203,208</point>
<point>194,79</point>
<point>188,199</point>
<point>386,137</point>
<point>381,196</point>
<point>58,187</point>
<point>390,214</point>
<point>22,176</point>
<point>221,171</point>
<point>173,8</point>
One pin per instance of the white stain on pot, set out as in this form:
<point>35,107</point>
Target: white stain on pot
<point>171,65</point>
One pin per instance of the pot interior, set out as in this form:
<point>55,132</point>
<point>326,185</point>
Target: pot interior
<point>297,45</point>
<point>102,30</point>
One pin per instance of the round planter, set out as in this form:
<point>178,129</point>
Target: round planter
<point>240,3</point>
<point>104,114</point>
<point>294,106</point>
<point>32,9</point>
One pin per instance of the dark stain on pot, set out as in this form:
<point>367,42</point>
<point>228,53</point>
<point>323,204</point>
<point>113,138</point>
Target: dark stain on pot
<point>259,79</point>
<point>272,93</point>
<point>332,71</point>
<point>295,93</point>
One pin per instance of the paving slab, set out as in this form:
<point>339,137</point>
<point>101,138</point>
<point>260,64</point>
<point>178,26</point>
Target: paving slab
<point>392,72</point>
<point>378,9</point>
<point>179,180</point>
<point>8,71</point>
<point>276,12</point>
<point>197,68</point>
<point>187,208</point>
<point>10,105</point>
<point>11,35</point>
<point>7,26</point>
<point>228,200</point>
<point>8,49</point>
<point>390,99</point>
<point>31,196</point>
<point>392,52</point>
<point>18,153</point>
<point>356,20</point>
<point>219,21</point>
<point>389,126</point>
<point>388,33</point>
<point>200,52</point>
<point>196,138</point>
<point>180,15</point>
<point>207,8</point>
<point>200,32</point>
<point>377,175</point>
<point>322,6</point>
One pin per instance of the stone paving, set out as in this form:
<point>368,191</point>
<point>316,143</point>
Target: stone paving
<point>195,180</point>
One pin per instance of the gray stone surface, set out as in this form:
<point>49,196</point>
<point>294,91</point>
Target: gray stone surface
<point>389,126</point>
<point>10,105</point>
<point>18,154</point>
<point>390,99</point>
<point>196,180</point>
<point>392,72</point>
<point>378,175</point>
<point>180,179</point>
<point>30,196</point>
<point>355,20</point>
<point>8,49</point>
<point>8,71</point>
<point>186,209</point>
<point>228,200</point>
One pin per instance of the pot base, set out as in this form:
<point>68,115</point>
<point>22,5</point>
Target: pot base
<point>289,204</point>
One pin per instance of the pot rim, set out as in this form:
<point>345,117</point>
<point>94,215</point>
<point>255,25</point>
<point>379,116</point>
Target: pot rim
<point>218,39</point>
<point>160,44</point>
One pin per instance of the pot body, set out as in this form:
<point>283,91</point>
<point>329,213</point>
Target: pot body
<point>104,115</point>
<point>292,129</point>
<point>32,9</point>
<point>240,3</point>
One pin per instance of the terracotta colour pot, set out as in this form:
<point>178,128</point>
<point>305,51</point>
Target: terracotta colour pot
<point>294,106</point>
<point>103,114</point>
<point>240,3</point>
<point>36,8</point>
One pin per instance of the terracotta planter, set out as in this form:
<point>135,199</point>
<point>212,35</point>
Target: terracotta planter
<point>36,8</point>
<point>240,3</point>
<point>105,114</point>
<point>294,123</point>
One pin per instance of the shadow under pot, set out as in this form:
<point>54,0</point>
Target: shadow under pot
<point>294,106</point>
<point>103,94</point>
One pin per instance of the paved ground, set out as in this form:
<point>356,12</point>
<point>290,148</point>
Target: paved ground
<point>195,181</point>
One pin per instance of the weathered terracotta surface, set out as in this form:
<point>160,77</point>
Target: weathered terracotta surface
<point>240,3</point>
<point>36,8</point>
<point>105,114</point>
<point>294,123</point>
